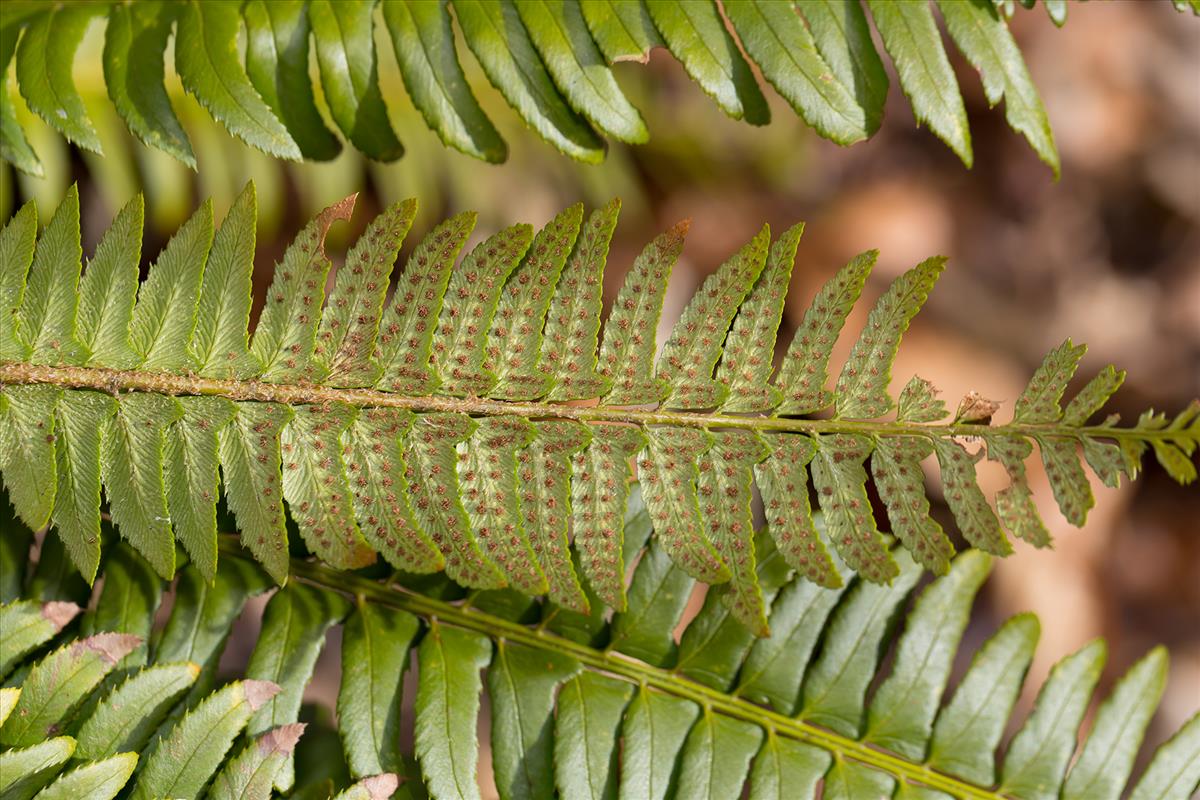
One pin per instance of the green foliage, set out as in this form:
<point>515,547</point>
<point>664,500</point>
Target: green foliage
<point>846,688</point>
<point>436,429</point>
<point>550,60</point>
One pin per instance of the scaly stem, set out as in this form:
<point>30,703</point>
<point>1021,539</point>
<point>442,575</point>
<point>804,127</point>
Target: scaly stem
<point>115,382</point>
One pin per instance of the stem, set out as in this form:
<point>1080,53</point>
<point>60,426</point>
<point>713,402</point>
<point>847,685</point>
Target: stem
<point>624,667</point>
<point>114,382</point>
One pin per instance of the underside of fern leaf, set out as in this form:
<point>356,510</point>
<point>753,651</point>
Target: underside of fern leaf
<point>550,60</point>
<point>102,702</point>
<point>438,425</point>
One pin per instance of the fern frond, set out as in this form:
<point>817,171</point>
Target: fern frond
<point>550,61</point>
<point>393,430</point>
<point>816,700</point>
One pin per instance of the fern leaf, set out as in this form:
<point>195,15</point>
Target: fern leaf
<point>1093,396</point>
<point>586,731</point>
<point>432,479</point>
<point>770,674</point>
<point>840,481</point>
<point>100,780</point>
<point>220,343</point>
<point>316,487</point>
<point>803,372</point>
<point>561,38</point>
<point>785,768</point>
<point>59,683</point>
<point>134,41</point>
<point>127,602</point>
<point>783,482</point>
<point>459,342</point>
<point>900,717</point>
<point>976,518</point>
<point>543,470</point>
<point>1015,503</point>
<point>344,36</point>
<point>919,403</point>
<point>192,483</point>
<point>447,709</point>
<point>599,496</point>
<point>572,717</point>
<point>277,65</point>
<point>896,467</point>
<point>1176,765</point>
<point>406,332</point>
<point>293,629</point>
<point>549,60</point>
<point>131,466</point>
<point>48,309</point>
<point>623,31</point>
<point>522,684</point>
<point>17,241</point>
<point>45,57</point>
<point>655,728</point>
<point>1104,763</point>
<point>1039,402</point>
<point>668,468</point>
<point>25,770</point>
<point>206,735</point>
<point>688,357</point>
<point>725,492</point>
<point>424,44</point>
<point>253,772</point>
<point>165,315</point>
<point>696,34</point>
<point>986,42</point>
<point>716,756</point>
<point>1071,488</point>
<point>375,650</point>
<point>14,148</point>
<point>911,38</point>
<point>108,289</point>
<point>125,719</point>
<point>515,339</point>
<point>843,38</point>
<point>716,642</point>
<point>748,356</point>
<point>491,487</point>
<point>285,337</point>
<point>628,349</point>
<point>775,37</point>
<point>498,39</point>
<point>27,626</point>
<point>26,450</point>
<point>251,462</point>
<point>862,386</point>
<point>376,466</point>
<point>969,727</point>
<point>1037,758</point>
<point>206,59</point>
<point>835,688</point>
<point>573,319</point>
<point>78,421</point>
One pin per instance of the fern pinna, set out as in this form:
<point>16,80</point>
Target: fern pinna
<point>549,60</point>
<point>579,705</point>
<point>440,428</point>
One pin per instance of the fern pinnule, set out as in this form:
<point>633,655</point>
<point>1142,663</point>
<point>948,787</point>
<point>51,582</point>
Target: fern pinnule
<point>435,428</point>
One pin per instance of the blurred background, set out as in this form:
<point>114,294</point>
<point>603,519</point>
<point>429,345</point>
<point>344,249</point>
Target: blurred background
<point>1109,255</point>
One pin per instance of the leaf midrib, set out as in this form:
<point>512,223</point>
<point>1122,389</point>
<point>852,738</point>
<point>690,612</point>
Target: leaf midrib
<point>116,382</point>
